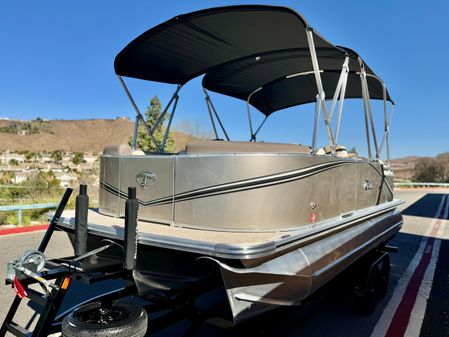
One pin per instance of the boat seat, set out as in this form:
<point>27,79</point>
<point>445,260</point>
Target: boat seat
<point>209,147</point>
<point>340,151</point>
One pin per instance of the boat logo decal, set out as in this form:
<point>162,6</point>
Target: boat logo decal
<point>367,185</point>
<point>145,179</point>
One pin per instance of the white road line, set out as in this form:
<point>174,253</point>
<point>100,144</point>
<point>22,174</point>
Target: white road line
<point>383,324</point>
<point>419,309</point>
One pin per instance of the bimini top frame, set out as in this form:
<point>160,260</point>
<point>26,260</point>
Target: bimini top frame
<point>285,78</point>
<point>266,50</point>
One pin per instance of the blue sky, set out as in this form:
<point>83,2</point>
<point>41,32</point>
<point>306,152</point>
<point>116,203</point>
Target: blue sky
<point>56,62</point>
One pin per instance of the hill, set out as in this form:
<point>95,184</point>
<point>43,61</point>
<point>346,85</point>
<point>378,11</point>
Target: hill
<point>404,168</point>
<point>424,169</point>
<point>90,135</point>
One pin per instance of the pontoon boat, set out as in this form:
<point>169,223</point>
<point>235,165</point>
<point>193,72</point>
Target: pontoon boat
<point>277,220</point>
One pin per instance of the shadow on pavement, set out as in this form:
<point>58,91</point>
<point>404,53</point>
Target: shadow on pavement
<point>424,207</point>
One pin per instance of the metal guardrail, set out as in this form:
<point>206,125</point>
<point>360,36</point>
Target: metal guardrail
<point>20,208</point>
<point>27,194</point>
<point>423,185</point>
<point>30,187</point>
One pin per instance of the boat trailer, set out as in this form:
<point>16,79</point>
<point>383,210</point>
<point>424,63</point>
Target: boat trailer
<point>105,313</point>
<point>56,276</point>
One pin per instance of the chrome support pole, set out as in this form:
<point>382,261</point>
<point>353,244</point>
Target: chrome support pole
<point>206,98</point>
<point>248,109</point>
<point>384,95</point>
<point>161,117</point>
<point>315,123</point>
<point>216,114</point>
<point>319,84</point>
<point>388,149</point>
<point>368,140</point>
<point>258,129</point>
<point>150,133</point>
<point>167,130</point>
<point>301,74</point>
<point>136,128</point>
<point>340,106</point>
<point>344,70</point>
<point>387,141</point>
<point>386,120</point>
<point>370,114</point>
<point>249,120</point>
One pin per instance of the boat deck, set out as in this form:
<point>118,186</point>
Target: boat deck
<point>175,237</point>
<point>176,232</point>
<point>226,244</point>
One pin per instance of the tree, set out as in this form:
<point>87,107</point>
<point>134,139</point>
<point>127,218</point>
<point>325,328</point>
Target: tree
<point>443,159</point>
<point>144,141</point>
<point>43,184</point>
<point>14,162</point>
<point>78,158</point>
<point>56,156</point>
<point>46,180</point>
<point>7,177</point>
<point>429,170</point>
<point>29,156</point>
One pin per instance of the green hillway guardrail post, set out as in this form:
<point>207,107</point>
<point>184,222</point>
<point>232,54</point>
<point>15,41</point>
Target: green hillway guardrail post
<point>19,217</point>
<point>20,208</point>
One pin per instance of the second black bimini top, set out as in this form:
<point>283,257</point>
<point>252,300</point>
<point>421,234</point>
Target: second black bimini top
<point>285,78</point>
<point>239,48</point>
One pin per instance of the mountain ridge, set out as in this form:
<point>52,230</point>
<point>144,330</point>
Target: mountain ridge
<point>86,135</point>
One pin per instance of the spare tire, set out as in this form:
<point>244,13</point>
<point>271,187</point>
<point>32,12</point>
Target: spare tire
<point>117,320</point>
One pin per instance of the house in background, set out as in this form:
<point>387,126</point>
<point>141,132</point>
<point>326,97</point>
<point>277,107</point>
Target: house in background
<point>67,180</point>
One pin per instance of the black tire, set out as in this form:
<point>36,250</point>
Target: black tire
<point>368,302</point>
<point>383,279</point>
<point>119,320</point>
<point>369,293</point>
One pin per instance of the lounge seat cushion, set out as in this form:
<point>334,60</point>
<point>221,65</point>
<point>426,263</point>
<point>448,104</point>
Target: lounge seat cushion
<point>118,150</point>
<point>122,150</point>
<point>209,147</point>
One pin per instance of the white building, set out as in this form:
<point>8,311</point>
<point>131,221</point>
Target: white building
<point>90,159</point>
<point>6,157</point>
<point>67,180</point>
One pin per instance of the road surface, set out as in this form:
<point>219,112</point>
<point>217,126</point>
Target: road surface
<point>417,303</point>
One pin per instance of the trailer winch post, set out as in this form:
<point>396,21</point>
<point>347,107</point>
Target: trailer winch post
<point>131,210</point>
<point>54,220</point>
<point>81,208</point>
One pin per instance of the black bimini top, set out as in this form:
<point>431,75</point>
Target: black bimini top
<point>285,78</point>
<point>240,48</point>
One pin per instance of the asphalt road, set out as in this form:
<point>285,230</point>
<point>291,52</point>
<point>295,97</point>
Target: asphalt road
<point>333,314</point>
